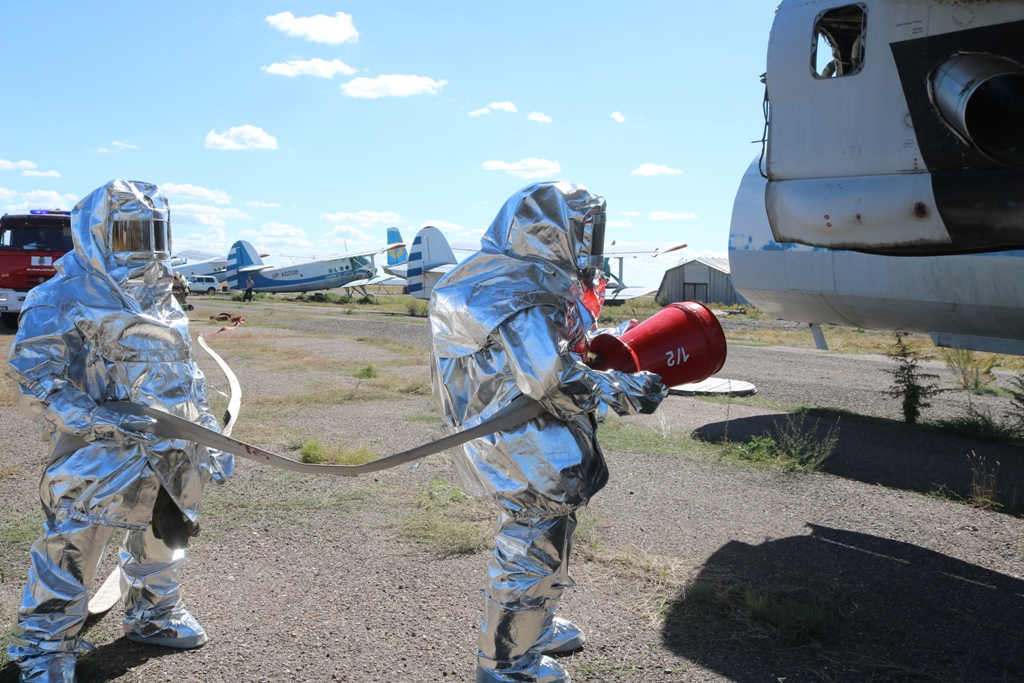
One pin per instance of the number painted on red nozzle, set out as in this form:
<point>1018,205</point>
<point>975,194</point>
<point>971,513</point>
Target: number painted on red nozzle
<point>677,357</point>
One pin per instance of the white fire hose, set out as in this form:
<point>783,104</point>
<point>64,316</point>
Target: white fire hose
<point>168,426</point>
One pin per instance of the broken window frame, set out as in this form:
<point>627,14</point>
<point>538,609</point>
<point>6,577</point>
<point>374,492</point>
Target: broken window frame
<point>819,35</point>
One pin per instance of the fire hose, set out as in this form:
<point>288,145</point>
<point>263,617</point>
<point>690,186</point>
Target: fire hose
<point>168,426</point>
<point>664,344</point>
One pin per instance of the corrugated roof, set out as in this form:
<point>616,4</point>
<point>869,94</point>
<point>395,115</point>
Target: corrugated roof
<point>719,264</point>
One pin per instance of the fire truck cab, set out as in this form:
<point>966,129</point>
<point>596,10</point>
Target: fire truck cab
<point>29,244</point>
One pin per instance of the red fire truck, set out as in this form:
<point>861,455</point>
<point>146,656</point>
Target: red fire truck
<point>29,244</point>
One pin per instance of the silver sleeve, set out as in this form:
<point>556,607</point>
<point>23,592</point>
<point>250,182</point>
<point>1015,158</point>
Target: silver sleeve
<point>561,381</point>
<point>47,347</point>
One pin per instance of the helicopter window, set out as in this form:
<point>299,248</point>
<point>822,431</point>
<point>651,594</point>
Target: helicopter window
<point>838,47</point>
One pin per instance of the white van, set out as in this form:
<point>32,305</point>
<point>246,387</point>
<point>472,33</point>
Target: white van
<point>203,284</point>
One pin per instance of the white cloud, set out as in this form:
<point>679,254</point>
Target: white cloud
<point>263,205</point>
<point>503,106</point>
<point>540,118</point>
<point>527,168</point>
<point>41,174</point>
<point>122,145</point>
<point>618,117</point>
<point>15,165</point>
<point>275,234</point>
<point>480,112</point>
<point>211,239</point>
<point>195,193</point>
<point>364,219</point>
<point>619,224</point>
<point>348,238</point>
<point>241,137</point>
<point>310,67</point>
<point>391,85</point>
<point>102,150</point>
<point>319,29</point>
<point>206,216</point>
<point>668,216</point>
<point>629,213</point>
<point>650,169</point>
<point>36,199</point>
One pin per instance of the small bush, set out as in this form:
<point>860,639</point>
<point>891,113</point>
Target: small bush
<point>908,381</point>
<point>440,494</point>
<point>972,371</point>
<point>312,451</point>
<point>795,448</point>
<point>983,483</point>
<point>368,372</point>
<point>1015,415</point>
<point>256,296</point>
<point>980,424</point>
<point>417,307</point>
<point>789,616</point>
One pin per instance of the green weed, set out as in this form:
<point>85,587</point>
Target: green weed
<point>793,445</point>
<point>367,372</point>
<point>972,371</point>
<point>312,451</point>
<point>440,494</point>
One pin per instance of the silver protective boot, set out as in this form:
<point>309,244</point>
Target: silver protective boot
<point>543,670</point>
<point>561,636</point>
<point>154,611</point>
<point>58,667</point>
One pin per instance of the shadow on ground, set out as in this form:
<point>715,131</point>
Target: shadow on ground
<point>107,663</point>
<point>896,455</point>
<point>843,606</point>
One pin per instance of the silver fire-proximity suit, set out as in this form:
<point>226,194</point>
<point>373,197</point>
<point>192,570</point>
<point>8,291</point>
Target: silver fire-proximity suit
<point>513,319</point>
<point>107,328</point>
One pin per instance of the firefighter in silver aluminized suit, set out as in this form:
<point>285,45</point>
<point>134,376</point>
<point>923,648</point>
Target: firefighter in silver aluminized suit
<point>106,328</point>
<point>513,320</point>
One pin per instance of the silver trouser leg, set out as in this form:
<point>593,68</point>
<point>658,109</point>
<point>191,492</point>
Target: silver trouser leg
<point>55,604</point>
<point>528,572</point>
<point>150,584</point>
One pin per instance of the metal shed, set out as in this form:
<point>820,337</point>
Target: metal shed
<point>702,279</point>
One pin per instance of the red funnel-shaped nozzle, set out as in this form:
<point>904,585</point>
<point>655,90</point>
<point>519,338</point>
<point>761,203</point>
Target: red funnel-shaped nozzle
<point>682,342</point>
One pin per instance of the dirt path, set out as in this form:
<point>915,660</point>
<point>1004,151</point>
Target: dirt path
<point>689,568</point>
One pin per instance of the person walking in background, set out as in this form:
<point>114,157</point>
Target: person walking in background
<point>513,319</point>
<point>248,289</point>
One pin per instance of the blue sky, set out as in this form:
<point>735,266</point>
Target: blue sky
<point>309,127</point>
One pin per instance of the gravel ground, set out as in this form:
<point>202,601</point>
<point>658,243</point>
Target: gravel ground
<point>299,578</point>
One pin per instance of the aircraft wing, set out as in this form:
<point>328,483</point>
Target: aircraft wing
<point>377,279</point>
<point>640,249</point>
<point>254,268</point>
<point>627,293</point>
<point>365,252</point>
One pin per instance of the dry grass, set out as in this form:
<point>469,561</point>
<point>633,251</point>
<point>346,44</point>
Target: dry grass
<point>314,452</point>
<point>447,520</point>
<point>788,615</point>
<point>983,483</point>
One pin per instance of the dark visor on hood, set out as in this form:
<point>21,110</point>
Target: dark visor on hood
<point>140,236</point>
